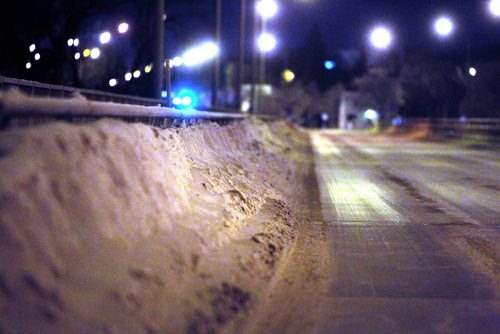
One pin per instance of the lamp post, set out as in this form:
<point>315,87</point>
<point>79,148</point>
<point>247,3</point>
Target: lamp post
<point>265,43</point>
<point>217,63</point>
<point>159,13</point>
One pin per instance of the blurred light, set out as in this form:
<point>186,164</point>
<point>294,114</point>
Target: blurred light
<point>128,76</point>
<point>186,101</point>
<point>371,114</point>
<point>177,61</point>
<point>113,82</point>
<point>77,55</point>
<point>123,27</point>
<point>76,41</point>
<point>495,8</point>
<point>472,72</point>
<point>288,75</point>
<point>32,47</point>
<point>200,54</point>
<point>136,74</point>
<point>443,26</point>
<point>266,42</point>
<point>86,53</point>
<point>330,65</point>
<point>105,37</point>
<point>245,106</point>
<point>37,56</point>
<point>95,53</point>
<point>381,37</point>
<point>267,8</point>
<point>164,94</point>
<point>70,42</point>
<point>28,65</point>
<point>397,121</point>
<point>148,68</point>
<point>324,117</point>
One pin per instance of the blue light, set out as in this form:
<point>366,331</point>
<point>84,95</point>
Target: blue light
<point>186,99</point>
<point>330,65</point>
<point>164,94</point>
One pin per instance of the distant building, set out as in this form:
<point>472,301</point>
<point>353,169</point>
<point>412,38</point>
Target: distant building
<point>352,111</point>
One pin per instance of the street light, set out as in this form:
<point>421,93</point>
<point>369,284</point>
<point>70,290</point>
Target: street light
<point>266,42</point>
<point>105,37</point>
<point>381,38</point>
<point>95,53</point>
<point>267,8</point>
<point>494,7</point>
<point>123,27</point>
<point>200,54</point>
<point>443,26</point>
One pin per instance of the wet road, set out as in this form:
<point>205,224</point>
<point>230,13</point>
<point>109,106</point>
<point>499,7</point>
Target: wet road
<point>405,238</point>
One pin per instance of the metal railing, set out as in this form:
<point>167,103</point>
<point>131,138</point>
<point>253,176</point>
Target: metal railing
<point>34,88</point>
<point>461,128</point>
<point>24,102</point>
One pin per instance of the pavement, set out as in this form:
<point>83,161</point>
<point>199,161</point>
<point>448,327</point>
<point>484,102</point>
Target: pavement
<point>404,238</point>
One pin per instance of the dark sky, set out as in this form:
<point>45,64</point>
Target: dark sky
<point>345,23</point>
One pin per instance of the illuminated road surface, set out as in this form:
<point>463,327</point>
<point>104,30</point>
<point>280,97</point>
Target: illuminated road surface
<point>405,238</point>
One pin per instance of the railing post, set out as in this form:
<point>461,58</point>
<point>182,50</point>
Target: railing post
<point>168,77</point>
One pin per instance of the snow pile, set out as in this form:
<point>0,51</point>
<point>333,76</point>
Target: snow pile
<point>116,227</point>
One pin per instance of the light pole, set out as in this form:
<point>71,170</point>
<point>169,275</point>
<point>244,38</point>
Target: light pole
<point>159,13</point>
<point>216,84</point>
<point>265,43</point>
<point>241,61</point>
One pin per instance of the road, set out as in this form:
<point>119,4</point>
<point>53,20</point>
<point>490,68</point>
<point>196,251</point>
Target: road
<point>403,237</point>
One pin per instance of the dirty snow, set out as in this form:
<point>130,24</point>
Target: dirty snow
<point>115,227</point>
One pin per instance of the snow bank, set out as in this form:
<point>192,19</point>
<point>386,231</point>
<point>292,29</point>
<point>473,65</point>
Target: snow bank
<point>116,227</point>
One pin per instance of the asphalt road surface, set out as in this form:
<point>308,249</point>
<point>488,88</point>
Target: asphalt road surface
<point>404,237</point>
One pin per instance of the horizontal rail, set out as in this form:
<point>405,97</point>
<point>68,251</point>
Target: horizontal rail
<point>458,122</point>
<point>35,88</point>
<point>18,104</point>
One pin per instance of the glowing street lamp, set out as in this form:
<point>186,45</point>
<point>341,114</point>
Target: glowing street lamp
<point>443,26</point>
<point>128,76</point>
<point>113,82</point>
<point>105,37</point>
<point>76,41</point>
<point>381,38</point>
<point>200,54</point>
<point>267,8</point>
<point>37,56</point>
<point>288,75</point>
<point>472,71</point>
<point>77,55</point>
<point>28,65</point>
<point>123,27</point>
<point>494,7</point>
<point>95,53</point>
<point>266,42</point>
<point>177,61</point>
<point>136,74</point>
<point>32,47</point>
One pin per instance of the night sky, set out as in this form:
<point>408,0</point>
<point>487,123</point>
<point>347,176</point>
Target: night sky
<point>344,25</point>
